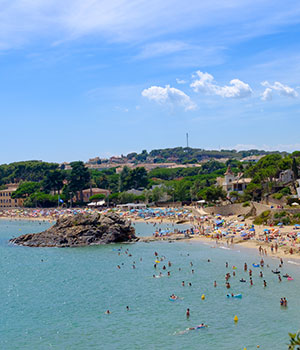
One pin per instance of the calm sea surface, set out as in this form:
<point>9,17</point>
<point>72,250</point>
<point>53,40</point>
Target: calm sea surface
<point>53,298</point>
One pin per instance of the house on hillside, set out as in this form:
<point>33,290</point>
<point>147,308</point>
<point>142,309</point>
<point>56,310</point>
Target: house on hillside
<point>252,159</point>
<point>231,182</point>
<point>6,201</point>
<point>91,192</point>
<point>286,176</point>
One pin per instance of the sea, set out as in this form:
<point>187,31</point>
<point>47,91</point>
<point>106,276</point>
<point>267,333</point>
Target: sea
<point>56,298</point>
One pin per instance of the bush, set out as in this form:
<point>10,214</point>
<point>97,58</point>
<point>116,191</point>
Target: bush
<point>265,214</point>
<point>262,218</point>
<point>286,221</point>
<point>98,196</point>
<point>285,191</point>
<point>246,204</point>
<point>278,195</point>
<point>280,215</point>
<point>258,221</point>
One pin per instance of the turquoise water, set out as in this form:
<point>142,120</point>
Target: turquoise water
<point>56,298</point>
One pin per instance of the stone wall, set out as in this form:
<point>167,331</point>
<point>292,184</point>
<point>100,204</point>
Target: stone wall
<point>237,209</point>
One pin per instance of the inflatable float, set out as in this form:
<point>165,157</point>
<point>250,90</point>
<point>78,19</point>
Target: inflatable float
<point>276,272</point>
<point>242,280</point>
<point>255,265</point>
<point>234,296</point>
<point>290,279</point>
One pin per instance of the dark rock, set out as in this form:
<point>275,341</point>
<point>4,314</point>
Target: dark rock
<point>81,230</point>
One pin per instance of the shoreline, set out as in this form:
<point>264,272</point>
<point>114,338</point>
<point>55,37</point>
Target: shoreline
<point>249,244</point>
<point>22,218</point>
<point>254,243</point>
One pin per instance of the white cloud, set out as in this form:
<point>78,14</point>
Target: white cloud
<point>180,81</point>
<point>24,21</point>
<point>283,90</point>
<point>170,96</point>
<point>162,48</point>
<point>267,95</point>
<point>121,109</point>
<point>204,82</point>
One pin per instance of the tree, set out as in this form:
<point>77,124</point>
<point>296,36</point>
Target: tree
<point>25,189</point>
<point>124,179</point>
<point>142,157</point>
<point>53,181</point>
<point>138,178</point>
<point>253,190</point>
<point>41,199</point>
<point>294,341</point>
<point>79,178</point>
<point>214,193</point>
<point>98,196</point>
<point>295,169</point>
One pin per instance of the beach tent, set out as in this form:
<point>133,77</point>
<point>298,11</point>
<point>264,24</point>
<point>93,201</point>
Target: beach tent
<point>295,203</point>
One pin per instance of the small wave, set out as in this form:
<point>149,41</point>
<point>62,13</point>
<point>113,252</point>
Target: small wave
<point>225,248</point>
<point>293,262</point>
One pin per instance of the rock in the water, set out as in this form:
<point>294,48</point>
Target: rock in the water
<point>81,230</point>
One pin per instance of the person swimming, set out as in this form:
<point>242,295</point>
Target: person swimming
<point>202,325</point>
<point>242,280</point>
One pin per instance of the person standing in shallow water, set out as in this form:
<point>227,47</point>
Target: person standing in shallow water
<point>187,313</point>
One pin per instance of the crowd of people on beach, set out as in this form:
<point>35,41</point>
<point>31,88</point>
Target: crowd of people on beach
<point>229,229</point>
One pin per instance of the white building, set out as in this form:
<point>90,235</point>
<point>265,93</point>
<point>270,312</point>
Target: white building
<point>252,159</point>
<point>231,182</point>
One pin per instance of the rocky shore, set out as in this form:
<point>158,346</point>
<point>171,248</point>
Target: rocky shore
<point>81,230</point>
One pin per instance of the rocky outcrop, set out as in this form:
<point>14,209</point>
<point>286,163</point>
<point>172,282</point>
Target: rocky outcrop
<point>81,230</point>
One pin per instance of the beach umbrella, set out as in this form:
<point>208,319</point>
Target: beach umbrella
<point>295,203</point>
<point>252,230</point>
<point>280,224</point>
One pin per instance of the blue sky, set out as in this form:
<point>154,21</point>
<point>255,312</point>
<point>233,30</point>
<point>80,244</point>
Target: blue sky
<point>100,78</point>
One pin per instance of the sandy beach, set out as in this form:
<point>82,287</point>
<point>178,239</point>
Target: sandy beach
<point>231,224</point>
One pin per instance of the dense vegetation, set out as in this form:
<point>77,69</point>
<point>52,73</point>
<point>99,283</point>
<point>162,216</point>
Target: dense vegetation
<point>47,184</point>
<point>184,155</point>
